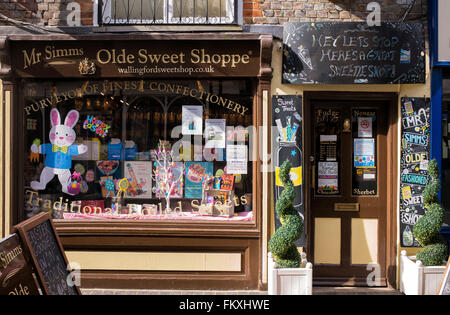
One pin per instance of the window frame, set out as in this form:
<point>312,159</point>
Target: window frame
<point>233,13</point>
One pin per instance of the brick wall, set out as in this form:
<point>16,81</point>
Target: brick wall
<point>44,12</point>
<point>274,12</point>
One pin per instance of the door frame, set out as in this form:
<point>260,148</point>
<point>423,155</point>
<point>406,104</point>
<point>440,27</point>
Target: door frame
<point>392,165</point>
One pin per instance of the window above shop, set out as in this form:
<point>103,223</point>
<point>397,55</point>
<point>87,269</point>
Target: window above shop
<point>167,12</point>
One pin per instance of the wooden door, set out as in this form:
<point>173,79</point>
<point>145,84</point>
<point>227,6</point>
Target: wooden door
<point>348,191</point>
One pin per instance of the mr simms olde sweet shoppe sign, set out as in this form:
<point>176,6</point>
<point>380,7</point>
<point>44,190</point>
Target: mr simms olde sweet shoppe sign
<point>349,53</point>
<point>150,58</point>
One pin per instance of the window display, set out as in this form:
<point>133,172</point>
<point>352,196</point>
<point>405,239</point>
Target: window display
<point>176,150</point>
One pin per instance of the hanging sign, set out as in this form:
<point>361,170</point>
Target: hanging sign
<point>353,52</point>
<point>415,154</point>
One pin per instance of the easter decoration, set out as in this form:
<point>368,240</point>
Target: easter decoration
<point>34,156</point>
<point>74,185</point>
<point>59,151</point>
<point>167,175</point>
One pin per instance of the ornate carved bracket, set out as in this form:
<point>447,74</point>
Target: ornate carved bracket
<point>5,62</point>
<point>265,72</point>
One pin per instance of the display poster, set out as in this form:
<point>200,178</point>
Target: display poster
<point>415,154</point>
<point>287,122</point>
<point>353,53</point>
<point>195,173</point>
<point>328,177</point>
<point>139,175</point>
<point>192,120</point>
<point>364,153</point>
<point>215,133</point>
<point>237,158</point>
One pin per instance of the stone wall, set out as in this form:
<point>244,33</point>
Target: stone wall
<point>268,12</point>
<point>43,12</point>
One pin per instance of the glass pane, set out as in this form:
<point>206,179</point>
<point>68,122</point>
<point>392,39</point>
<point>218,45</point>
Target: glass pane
<point>364,166</point>
<point>327,135</point>
<point>137,10</point>
<point>172,150</point>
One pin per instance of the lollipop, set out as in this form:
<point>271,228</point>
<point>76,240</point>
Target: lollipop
<point>123,186</point>
<point>109,185</point>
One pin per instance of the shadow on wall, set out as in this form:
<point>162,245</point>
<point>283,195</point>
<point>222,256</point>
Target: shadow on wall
<point>391,10</point>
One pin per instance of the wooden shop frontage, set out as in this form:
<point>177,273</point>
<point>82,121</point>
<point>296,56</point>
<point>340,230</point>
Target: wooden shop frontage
<point>144,150</point>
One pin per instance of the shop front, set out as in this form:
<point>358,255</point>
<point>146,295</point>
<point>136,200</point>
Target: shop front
<point>144,150</point>
<point>363,93</point>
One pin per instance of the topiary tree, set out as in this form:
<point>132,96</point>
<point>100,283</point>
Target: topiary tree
<point>426,231</point>
<point>282,242</point>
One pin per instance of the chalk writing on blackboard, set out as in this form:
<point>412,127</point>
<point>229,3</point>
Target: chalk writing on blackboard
<point>41,242</point>
<point>415,154</point>
<point>353,52</point>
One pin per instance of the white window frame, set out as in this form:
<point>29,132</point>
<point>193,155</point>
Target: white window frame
<point>167,18</point>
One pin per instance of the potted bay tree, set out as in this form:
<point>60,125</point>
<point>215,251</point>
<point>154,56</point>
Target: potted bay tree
<point>288,272</point>
<point>422,274</point>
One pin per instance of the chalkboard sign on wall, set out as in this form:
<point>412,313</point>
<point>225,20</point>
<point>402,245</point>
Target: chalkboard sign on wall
<point>45,250</point>
<point>415,154</point>
<point>353,52</point>
<point>287,117</point>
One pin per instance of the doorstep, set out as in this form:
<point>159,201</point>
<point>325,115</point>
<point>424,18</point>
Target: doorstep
<point>316,291</point>
<point>170,292</point>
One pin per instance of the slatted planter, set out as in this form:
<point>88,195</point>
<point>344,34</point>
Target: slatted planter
<point>289,281</point>
<point>417,279</point>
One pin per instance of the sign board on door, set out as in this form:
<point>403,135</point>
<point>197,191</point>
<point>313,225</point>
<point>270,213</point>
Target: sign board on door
<point>42,244</point>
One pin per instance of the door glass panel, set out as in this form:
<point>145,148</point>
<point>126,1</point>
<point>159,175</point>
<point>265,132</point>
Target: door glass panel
<point>364,166</point>
<point>327,137</point>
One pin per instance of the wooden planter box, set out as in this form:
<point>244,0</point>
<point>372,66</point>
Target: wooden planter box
<point>417,279</point>
<point>289,281</point>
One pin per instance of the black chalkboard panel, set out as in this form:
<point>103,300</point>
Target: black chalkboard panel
<point>45,250</point>
<point>353,52</point>
<point>287,117</point>
<point>444,288</point>
<point>415,154</point>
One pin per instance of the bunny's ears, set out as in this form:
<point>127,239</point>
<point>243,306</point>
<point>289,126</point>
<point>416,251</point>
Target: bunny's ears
<point>71,118</point>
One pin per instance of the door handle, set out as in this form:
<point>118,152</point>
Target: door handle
<point>313,176</point>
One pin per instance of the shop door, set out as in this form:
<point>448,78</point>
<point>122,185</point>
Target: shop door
<point>348,192</point>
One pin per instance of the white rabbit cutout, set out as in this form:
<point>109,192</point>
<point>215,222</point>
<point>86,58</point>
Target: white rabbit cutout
<point>58,153</point>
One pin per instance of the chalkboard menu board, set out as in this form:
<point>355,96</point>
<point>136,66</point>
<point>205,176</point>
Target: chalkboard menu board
<point>16,277</point>
<point>415,154</point>
<point>444,288</point>
<point>45,250</point>
<point>353,52</point>
<point>287,117</point>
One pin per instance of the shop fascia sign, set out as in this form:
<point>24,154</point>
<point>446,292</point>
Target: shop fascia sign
<point>157,58</point>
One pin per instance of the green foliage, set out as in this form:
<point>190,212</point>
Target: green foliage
<point>433,254</point>
<point>426,231</point>
<point>282,241</point>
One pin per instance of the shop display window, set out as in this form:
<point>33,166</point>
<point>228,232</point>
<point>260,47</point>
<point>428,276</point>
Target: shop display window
<point>138,149</point>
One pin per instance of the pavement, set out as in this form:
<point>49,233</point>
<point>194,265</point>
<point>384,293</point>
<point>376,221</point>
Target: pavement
<point>316,291</point>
